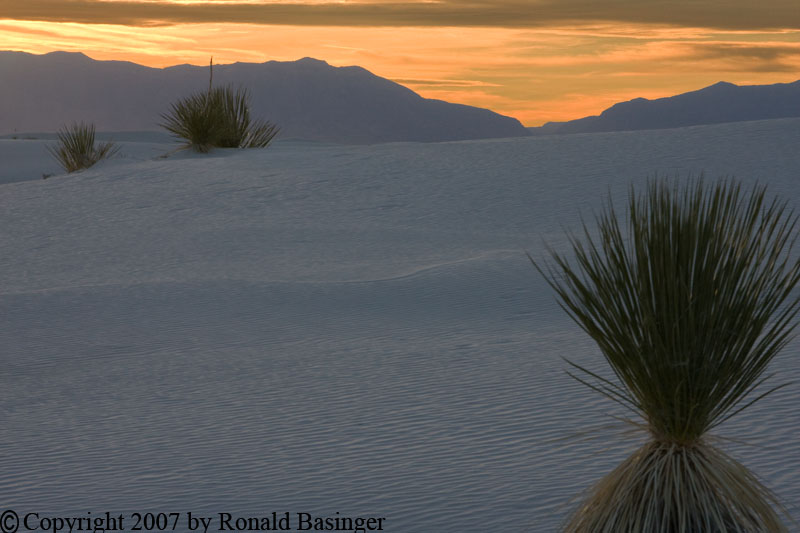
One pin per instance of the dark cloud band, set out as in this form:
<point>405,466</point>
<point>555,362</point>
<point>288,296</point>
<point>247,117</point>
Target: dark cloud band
<point>718,14</point>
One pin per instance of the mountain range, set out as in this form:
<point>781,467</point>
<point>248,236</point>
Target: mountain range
<point>721,102</point>
<point>307,99</point>
<point>310,99</point>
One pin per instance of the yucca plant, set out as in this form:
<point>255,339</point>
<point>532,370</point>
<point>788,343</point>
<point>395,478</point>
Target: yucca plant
<point>219,117</point>
<point>688,305</point>
<point>76,148</point>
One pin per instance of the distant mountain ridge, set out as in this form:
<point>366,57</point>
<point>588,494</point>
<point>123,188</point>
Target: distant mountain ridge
<point>718,103</point>
<point>308,99</point>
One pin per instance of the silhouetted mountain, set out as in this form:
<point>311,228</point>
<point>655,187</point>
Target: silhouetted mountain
<point>308,99</point>
<point>721,102</point>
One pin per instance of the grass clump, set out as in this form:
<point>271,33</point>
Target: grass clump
<point>76,148</point>
<point>219,117</point>
<point>688,306</point>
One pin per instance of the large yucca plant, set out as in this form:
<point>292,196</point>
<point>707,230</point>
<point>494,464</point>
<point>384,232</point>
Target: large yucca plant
<point>688,304</point>
<point>76,148</point>
<point>218,117</point>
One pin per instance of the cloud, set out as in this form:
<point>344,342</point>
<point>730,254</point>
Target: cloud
<point>773,57</point>
<point>769,52</point>
<point>421,82</point>
<point>718,14</point>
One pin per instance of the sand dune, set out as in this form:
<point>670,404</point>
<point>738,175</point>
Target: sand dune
<point>318,328</point>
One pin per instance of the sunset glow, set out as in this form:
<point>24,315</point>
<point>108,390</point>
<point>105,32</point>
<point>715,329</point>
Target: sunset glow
<point>538,61</point>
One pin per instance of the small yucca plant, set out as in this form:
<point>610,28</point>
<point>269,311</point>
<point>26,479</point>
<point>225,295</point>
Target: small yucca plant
<point>219,117</point>
<point>688,306</point>
<point>76,148</point>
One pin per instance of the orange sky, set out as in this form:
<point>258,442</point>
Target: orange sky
<point>536,60</point>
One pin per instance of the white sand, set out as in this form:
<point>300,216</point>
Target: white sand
<point>318,328</point>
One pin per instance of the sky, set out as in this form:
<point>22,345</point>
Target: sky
<point>535,60</point>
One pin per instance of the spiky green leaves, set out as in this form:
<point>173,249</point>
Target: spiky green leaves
<point>689,304</point>
<point>76,148</point>
<point>219,117</point>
